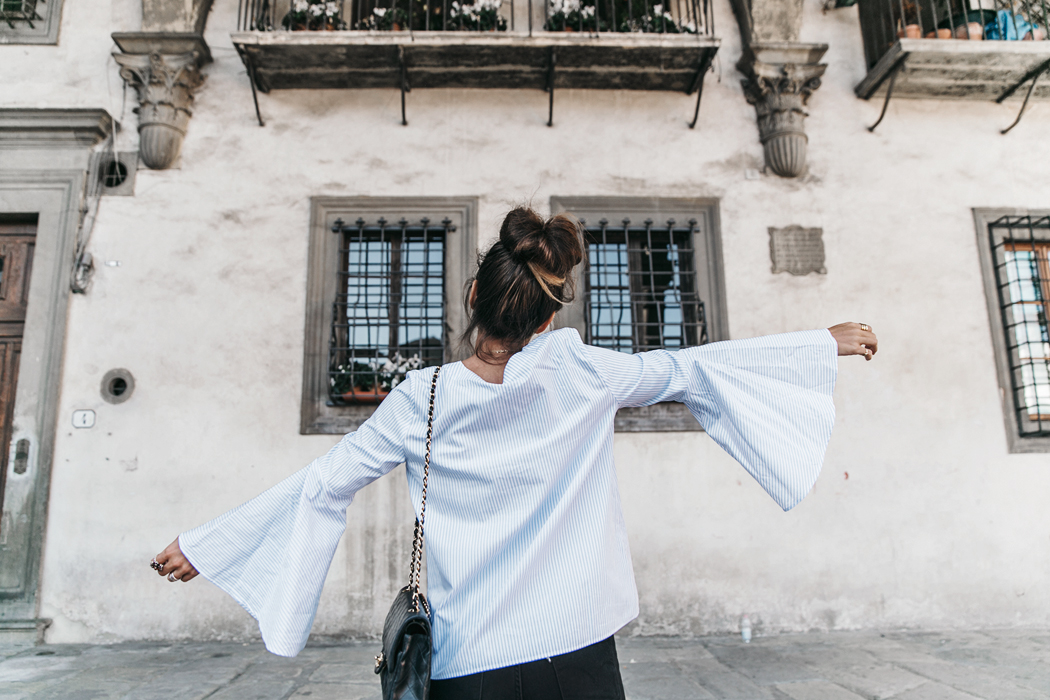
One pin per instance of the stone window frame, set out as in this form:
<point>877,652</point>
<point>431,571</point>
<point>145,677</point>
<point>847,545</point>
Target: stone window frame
<point>316,415</point>
<point>707,246</point>
<point>983,218</point>
<point>45,30</point>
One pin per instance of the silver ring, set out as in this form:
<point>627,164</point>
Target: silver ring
<point>171,577</point>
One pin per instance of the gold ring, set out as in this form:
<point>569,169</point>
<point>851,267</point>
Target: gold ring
<point>865,327</point>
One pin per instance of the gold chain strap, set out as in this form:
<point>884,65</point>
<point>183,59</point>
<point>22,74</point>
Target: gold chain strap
<point>417,534</point>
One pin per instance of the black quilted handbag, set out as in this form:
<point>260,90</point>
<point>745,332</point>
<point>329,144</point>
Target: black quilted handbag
<point>404,663</point>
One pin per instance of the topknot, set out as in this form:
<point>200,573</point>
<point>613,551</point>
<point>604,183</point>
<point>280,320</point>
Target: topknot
<point>550,249</point>
<point>524,278</point>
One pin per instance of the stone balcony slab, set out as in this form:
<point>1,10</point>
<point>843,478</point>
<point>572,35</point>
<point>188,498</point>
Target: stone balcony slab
<point>959,69</point>
<point>356,60</point>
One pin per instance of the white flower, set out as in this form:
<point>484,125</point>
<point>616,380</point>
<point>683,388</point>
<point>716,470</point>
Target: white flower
<point>379,12</point>
<point>564,6</point>
<point>300,5</point>
<point>316,10</point>
<point>331,9</point>
<point>658,9</point>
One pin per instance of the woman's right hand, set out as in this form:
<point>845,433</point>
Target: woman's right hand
<point>173,562</point>
<point>855,339</point>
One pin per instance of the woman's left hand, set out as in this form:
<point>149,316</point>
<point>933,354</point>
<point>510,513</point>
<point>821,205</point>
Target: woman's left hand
<point>174,564</point>
<point>855,339</point>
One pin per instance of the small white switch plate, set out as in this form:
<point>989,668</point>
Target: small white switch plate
<point>84,419</point>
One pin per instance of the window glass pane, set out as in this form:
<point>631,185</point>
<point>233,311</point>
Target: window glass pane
<point>610,296</point>
<point>367,295</point>
<point>1036,379</point>
<point>1022,275</point>
<point>421,332</point>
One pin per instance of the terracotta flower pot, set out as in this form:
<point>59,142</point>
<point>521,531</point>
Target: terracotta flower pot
<point>365,395</point>
<point>973,31</point>
<point>911,31</point>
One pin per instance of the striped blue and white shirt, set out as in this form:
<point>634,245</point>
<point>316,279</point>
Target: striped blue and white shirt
<point>527,553</point>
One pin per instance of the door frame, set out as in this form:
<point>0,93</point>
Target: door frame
<point>44,157</point>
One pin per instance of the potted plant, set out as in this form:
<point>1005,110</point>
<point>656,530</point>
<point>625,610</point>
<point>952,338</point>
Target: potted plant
<point>385,19</point>
<point>910,20</point>
<point>313,15</point>
<point>371,381</point>
<point>479,16</point>
<point>574,15</point>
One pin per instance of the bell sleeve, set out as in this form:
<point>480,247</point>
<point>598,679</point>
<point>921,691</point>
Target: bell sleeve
<point>272,553</point>
<point>766,401</point>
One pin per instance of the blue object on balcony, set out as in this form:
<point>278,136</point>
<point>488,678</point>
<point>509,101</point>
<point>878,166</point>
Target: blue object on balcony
<point>1008,27</point>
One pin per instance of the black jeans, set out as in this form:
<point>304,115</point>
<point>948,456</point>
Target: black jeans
<point>591,673</point>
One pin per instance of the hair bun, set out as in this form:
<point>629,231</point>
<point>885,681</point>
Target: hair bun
<point>549,248</point>
<point>523,280</point>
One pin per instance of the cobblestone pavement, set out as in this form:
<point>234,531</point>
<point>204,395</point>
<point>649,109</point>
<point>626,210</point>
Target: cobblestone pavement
<point>1007,664</point>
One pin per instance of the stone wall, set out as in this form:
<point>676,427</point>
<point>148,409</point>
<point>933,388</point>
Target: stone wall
<point>920,519</point>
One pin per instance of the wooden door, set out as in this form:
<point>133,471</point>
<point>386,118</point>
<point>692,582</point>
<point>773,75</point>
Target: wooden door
<point>16,264</point>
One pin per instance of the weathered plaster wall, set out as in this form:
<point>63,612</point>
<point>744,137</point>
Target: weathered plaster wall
<point>935,526</point>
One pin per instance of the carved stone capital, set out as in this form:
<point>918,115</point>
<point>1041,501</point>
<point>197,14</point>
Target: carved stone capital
<point>780,79</point>
<point>165,85</point>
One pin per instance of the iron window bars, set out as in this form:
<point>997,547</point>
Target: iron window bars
<point>1007,20</point>
<point>640,286</point>
<point>1021,258</point>
<point>388,316</point>
<point>596,16</point>
<point>12,11</point>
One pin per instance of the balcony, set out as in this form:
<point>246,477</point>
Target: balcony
<point>955,49</point>
<point>604,45</point>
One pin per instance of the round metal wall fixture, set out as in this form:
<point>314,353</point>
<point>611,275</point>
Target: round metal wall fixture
<point>114,173</point>
<point>117,386</point>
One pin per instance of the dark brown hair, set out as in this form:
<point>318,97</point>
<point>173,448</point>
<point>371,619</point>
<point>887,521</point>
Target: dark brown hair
<point>523,278</point>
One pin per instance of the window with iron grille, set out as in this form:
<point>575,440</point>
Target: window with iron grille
<point>384,280</point>
<point>29,21</point>
<point>1016,251</point>
<point>641,285</point>
<point>388,313</point>
<point>651,279</point>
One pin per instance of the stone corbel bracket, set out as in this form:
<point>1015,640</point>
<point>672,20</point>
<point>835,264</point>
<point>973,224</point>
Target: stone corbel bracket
<point>164,69</point>
<point>780,78</point>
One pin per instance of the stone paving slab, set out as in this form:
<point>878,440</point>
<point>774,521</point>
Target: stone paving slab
<point>964,665</point>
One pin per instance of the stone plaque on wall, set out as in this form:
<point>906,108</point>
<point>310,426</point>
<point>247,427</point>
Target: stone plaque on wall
<point>797,250</point>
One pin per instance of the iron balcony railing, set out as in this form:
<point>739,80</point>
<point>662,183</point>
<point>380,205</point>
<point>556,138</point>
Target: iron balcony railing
<point>592,16</point>
<point>883,22</point>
